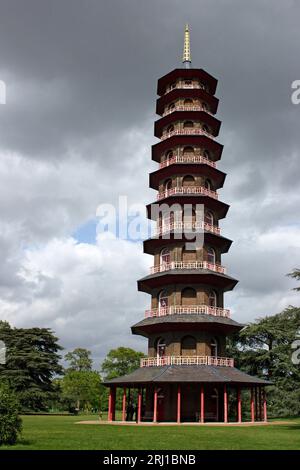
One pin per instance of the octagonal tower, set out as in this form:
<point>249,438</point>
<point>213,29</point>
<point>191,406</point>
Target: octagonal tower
<point>187,374</point>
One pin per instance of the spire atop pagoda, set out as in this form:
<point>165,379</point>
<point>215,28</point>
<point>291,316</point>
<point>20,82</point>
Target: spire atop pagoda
<point>186,57</point>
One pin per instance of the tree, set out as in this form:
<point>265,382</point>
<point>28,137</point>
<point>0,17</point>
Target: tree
<point>10,422</point>
<point>32,360</point>
<point>82,389</point>
<point>79,360</point>
<point>264,348</point>
<point>295,274</point>
<point>121,361</point>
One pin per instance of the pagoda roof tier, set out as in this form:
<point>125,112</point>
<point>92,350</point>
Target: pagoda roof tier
<point>186,276</point>
<point>187,374</point>
<point>187,140</point>
<point>202,116</point>
<point>151,245</point>
<point>216,175</point>
<point>186,322</point>
<point>187,74</point>
<point>214,204</point>
<point>184,93</point>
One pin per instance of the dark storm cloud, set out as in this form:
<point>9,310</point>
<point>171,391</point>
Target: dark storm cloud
<point>98,61</point>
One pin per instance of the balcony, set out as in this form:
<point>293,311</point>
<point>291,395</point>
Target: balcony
<point>187,108</point>
<point>187,361</point>
<point>188,310</point>
<point>190,131</point>
<point>190,158</point>
<point>188,265</point>
<point>185,85</point>
<point>183,190</point>
<point>183,227</point>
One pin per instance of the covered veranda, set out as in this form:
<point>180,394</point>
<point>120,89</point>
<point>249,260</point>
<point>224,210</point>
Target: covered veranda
<point>186,394</point>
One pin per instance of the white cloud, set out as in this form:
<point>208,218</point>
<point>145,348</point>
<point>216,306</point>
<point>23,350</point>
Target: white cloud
<point>86,293</point>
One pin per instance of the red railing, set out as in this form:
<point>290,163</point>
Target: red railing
<point>187,190</point>
<point>183,85</point>
<point>182,227</point>
<point>186,108</point>
<point>187,360</point>
<point>187,159</point>
<point>192,85</point>
<point>186,310</point>
<point>192,131</point>
<point>188,265</point>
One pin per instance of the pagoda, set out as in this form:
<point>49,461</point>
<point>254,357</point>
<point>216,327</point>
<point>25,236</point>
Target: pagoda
<point>186,376</point>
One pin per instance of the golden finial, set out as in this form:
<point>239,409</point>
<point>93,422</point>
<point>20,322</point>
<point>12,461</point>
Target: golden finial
<point>186,58</point>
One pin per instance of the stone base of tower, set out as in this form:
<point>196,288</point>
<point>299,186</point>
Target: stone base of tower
<point>155,395</point>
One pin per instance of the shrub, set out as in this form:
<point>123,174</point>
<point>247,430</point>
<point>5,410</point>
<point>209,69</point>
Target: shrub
<point>10,422</point>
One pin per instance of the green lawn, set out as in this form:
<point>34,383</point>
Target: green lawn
<point>61,432</point>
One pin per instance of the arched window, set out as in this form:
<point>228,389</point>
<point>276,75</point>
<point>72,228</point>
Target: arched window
<point>166,218</point>
<point>212,299</point>
<point>205,128</point>
<point>159,221</point>
<point>165,256</point>
<point>171,106</point>
<point>172,86</point>
<point>208,184</point>
<point>161,347</point>
<point>169,154</point>
<point>204,106</point>
<point>163,299</point>
<point>170,128</point>
<point>188,102</point>
<point>188,180</point>
<point>188,124</point>
<point>206,153</point>
<point>188,296</point>
<point>167,184</point>
<point>188,346</point>
<point>211,255</point>
<point>188,152</point>
<point>188,83</point>
<point>214,347</point>
<point>209,218</point>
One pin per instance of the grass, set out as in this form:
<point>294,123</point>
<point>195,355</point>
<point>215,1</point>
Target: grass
<point>61,433</point>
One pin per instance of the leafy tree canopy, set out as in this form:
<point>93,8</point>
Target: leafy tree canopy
<point>265,348</point>
<point>10,422</point>
<point>32,360</point>
<point>121,361</point>
<point>79,360</point>
<point>83,389</point>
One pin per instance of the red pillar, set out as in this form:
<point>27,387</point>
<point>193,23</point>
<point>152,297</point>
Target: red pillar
<point>252,405</point>
<point>256,404</point>
<point>114,404</point>
<point>239,404</point>
<point>265,406</point>
<point>202,404</point>
<point>260,403</point>
<point>155,406</point>
<point>124,405</point>
<point>139,406</point>
<point>111,404</point>
<point>178,403</point>
<point>225,405</point>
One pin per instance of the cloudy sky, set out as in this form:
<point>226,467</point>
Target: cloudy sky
<point>77,130</point>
